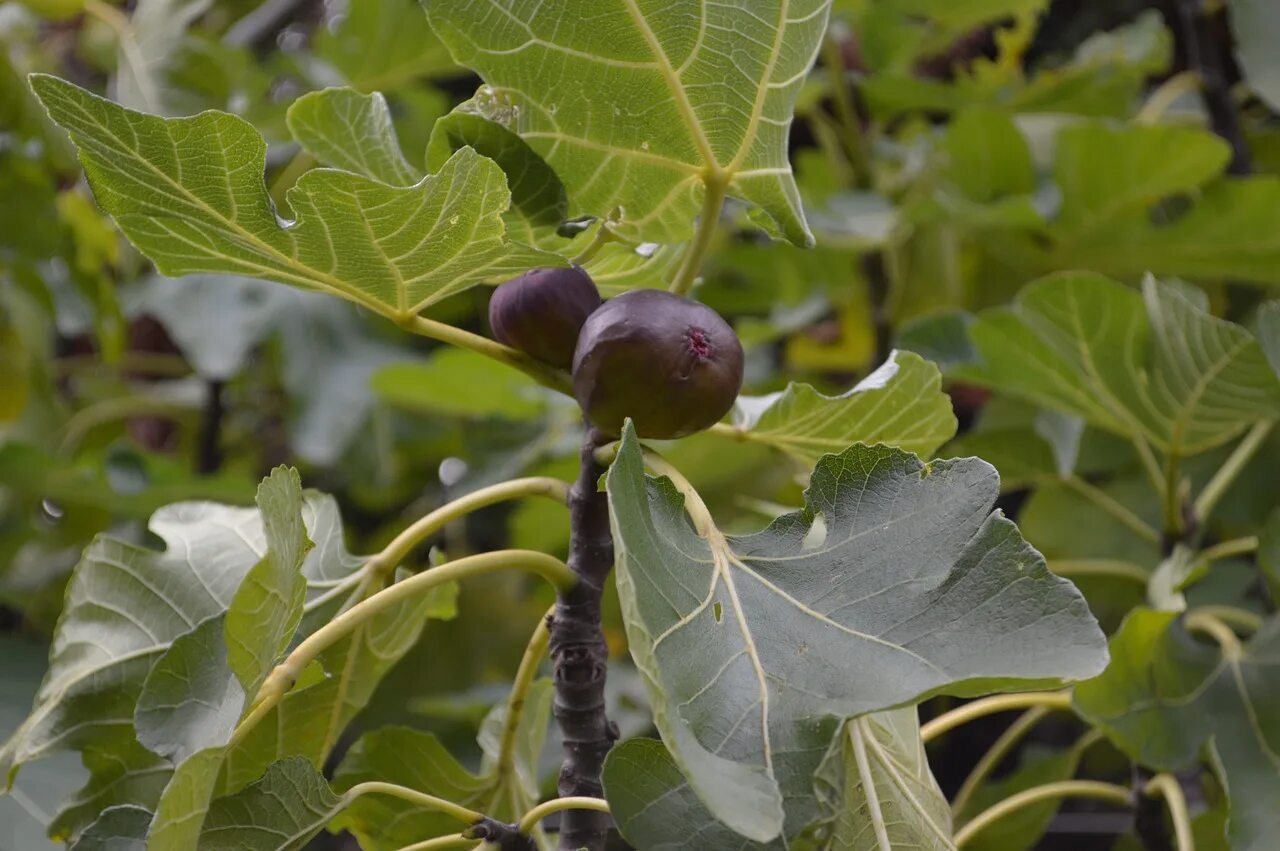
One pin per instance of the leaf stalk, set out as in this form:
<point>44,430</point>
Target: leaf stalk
<point>716,185</point>
<point>525,674</point>
<point>1168,787</point>
<point>1097,790</point>
<point>413,796</point>
<point>530,819</point>
<point>1230,469</point>
<point>990,705</point>
<point>285,675</point>
<point>394,553</point>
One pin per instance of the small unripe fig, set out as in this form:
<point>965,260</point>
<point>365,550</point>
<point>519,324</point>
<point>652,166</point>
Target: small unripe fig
<point>541,312</point>
<point>671,364</point>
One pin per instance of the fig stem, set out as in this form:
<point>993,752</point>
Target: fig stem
<point>603,236</point>
<point>712,203</point>
<point>580,655</point>
<point>548,376</point>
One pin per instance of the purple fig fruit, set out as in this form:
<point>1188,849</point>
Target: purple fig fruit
<point>671,364</point>
<point>541,312</point>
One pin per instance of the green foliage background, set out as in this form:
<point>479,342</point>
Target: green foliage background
<point>1026,202</point>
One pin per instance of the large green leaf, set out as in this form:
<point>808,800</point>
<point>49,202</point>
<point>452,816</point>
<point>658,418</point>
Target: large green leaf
<point>1154,365</point>
<point>281,812</point>
<point>352,131</point>
<point>538,203</point>
<point>122,828</point>
<point>204,683</point>
<point>1105,172</point>
<point>143,630</point>
<point>1224,235</point>
<point>1167,696</point>
<point>418,760</point>
<point>900,404</point>
<point>310,719</point>
<point>125,606</point>
<point>654,807</point>
<point>745,642</point>
<point>189,193</point>
<point>121,773</point>
<point>637,105</point>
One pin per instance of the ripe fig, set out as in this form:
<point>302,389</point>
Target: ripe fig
<point>671,364</point>
<point>541,312</point>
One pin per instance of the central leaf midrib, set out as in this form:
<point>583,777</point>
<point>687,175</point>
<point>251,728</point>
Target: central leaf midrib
<point>674,83</point>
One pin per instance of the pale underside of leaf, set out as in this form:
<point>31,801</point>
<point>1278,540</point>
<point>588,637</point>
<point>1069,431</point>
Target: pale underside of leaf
<point>744,642</point>
<point>884,797</point>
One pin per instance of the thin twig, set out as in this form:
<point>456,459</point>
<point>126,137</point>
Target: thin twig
<point>1230,469</point>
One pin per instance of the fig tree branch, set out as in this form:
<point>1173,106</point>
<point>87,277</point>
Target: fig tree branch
<point>580,655</point>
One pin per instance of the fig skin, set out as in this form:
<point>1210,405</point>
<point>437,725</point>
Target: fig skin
<point>541,312</point>
<point>671,364</point>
